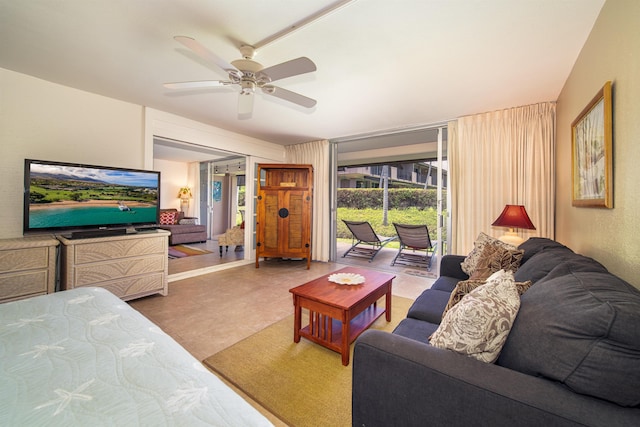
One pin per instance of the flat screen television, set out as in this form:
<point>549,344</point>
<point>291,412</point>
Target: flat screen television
<point>62,197</point>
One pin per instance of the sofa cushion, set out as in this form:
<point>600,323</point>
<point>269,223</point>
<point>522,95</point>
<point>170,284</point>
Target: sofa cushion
<point>575,264</point>
<point>579,329</point>
<point>533,245</point>
<point>451,266</point>
<point>445,283</point>
<point>542,263</point>
<point>470,262</point>
<point>415,329</point>
<point>429,306</point>
<point>185,228</point>
<point>479,324</point>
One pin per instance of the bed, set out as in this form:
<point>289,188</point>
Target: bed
<point>84,357</point>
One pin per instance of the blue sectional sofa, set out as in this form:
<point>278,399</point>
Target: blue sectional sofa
<point>572,356</point>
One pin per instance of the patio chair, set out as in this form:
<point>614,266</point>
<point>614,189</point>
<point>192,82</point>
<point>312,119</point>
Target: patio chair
<point>365,242</point>
<point>415,246</point>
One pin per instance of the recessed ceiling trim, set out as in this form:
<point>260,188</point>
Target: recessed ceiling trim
<point>381,133</point>
<point>166,142</point>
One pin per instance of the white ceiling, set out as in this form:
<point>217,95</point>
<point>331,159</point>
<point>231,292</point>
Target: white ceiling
<point>382,65</point>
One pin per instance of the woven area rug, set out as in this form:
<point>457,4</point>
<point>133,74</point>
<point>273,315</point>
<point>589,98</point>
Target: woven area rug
<point>181,251</point>
<point>303,384</point>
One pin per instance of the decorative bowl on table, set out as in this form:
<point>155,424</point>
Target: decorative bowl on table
<point>346,278</point>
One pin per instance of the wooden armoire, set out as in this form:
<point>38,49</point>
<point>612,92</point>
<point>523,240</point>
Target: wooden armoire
<point>285,195</point>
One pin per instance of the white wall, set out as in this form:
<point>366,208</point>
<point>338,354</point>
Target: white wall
<point>46,121</point>
<point>174,175</point>
<point>167,125</point>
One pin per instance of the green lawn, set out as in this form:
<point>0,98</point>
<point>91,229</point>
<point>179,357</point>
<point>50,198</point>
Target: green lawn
<point>374,217</point>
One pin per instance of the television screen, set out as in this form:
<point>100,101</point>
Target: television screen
<point>67,196</point>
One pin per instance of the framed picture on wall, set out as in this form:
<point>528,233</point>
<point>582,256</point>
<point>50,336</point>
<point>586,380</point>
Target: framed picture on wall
<point>217,191</point>
<point>592,152</point>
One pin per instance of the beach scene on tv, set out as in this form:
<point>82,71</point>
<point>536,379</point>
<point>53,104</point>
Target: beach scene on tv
<point>70,196</point>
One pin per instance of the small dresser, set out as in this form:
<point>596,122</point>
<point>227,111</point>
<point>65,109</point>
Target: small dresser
<point>27,267</point>
<point>130,266</point>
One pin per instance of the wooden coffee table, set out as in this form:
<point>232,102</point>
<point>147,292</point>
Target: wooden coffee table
<point>354,307</point>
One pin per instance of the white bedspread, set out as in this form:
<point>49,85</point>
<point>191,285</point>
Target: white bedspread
<point>85,358</point>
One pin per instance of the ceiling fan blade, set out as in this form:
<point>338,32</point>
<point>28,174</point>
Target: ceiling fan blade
<point>290,68</point>
<point>206,54</point>
<point>287,95</point>
<point>245,105</point>
<point>197,84</point>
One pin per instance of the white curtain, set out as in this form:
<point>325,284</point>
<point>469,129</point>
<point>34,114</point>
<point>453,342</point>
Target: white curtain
<point>316,153</point>
<point>499,158</point>
<point>193,182</point>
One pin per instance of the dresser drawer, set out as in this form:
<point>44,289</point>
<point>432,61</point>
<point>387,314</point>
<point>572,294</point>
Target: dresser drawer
<point>24,259</point>
<point>114,249</point>
<point>23,284</point>
<point>100,272</point>
<point>134,287</point>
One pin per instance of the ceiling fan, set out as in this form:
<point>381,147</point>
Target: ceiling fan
<point>248,76</point>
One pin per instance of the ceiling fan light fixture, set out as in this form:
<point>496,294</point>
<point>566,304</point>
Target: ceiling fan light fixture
<point>248,87</point>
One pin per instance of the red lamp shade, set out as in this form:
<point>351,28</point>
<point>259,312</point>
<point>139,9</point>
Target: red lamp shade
<point>514,216</point>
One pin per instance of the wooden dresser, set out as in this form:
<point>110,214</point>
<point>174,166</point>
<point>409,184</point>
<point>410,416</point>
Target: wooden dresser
<point>27,267</point>
<point>130,266</point>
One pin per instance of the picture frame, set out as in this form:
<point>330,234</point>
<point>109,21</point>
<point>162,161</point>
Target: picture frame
<point>592,152</point>
<point>217,191</point>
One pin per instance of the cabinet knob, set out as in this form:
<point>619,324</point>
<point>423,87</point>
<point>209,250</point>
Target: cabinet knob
<point>283,213</point>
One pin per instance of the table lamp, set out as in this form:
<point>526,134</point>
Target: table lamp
<point>513,216</point>
<point>184,194</point>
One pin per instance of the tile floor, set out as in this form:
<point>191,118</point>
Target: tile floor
<point>182,265</point>
<point>210,312</point>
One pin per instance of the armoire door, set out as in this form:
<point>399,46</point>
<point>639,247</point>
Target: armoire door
<point>285,222</point>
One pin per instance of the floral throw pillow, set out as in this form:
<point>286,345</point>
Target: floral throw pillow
<point>479,324</point>
<point>495,257</point>
<point>465,286</point>
<point>470,262</point>
<point>462,288</point>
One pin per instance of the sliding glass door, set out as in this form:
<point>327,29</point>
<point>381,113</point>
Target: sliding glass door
<point>405,159</point>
